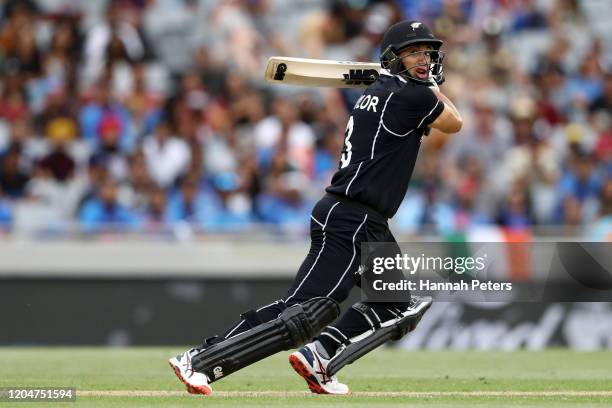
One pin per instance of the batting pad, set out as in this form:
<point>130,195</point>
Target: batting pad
<point>293,328</point>
<point>393,329</point>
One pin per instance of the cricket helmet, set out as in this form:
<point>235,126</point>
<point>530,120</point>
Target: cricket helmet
<point>404,34</point>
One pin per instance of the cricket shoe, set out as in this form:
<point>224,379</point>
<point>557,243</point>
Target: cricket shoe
<point>197,383</point>
<point>312,367</point>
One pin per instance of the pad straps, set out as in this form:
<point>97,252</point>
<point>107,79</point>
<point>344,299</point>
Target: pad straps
<point>369,314</point>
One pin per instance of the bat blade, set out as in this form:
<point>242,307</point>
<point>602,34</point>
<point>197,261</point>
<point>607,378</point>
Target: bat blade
<point>321,73</point>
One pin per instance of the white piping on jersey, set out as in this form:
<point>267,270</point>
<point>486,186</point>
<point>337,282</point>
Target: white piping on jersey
<point>430,112</point>
<point>412,130</point>
<point>318,255</point>
<point>353,179</point>
<point>397,134</point>
<point>380,123</point>
<point>329,213</point>
<point>317,221</point>
<point>384,71</point>
<point>352,258</point>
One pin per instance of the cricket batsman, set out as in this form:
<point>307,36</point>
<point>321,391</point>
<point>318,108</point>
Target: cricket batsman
<point>381,144</point>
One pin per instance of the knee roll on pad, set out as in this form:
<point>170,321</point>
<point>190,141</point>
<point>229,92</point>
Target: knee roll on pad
<point>294,326</point>
<point>380,333</point>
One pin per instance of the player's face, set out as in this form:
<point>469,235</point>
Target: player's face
<point>417,59</point>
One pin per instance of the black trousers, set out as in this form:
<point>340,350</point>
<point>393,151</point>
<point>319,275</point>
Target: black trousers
<point>338,227</point>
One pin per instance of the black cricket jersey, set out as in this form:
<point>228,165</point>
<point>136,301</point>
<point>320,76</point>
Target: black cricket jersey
<point>382,140</point>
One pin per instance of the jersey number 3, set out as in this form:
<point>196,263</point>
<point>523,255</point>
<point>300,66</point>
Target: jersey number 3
<point>347,151</point>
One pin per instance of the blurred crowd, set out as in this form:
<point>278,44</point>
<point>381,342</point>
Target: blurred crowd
<point>152,115</point>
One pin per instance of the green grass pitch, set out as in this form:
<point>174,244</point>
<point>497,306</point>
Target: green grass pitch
<point>141,377</point>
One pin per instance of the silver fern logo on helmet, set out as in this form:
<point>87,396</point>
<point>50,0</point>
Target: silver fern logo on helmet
<point>415,25</point>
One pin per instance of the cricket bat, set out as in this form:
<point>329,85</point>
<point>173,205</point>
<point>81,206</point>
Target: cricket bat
<point>321,73</point>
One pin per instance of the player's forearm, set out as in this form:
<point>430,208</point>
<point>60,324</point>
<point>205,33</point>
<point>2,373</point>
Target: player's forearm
<point>451,106</point>
<point>449,121</point>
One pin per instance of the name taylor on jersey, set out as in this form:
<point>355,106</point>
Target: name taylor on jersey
<point>367,102</point>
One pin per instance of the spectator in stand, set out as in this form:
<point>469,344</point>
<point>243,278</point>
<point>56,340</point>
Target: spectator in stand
<point>156,216</point>
<point>283,200</point>
<point>585,87</point>
<point>96,172</point>
<point>601,228</point>
<point>549,79</point>
<point>228,208</point>
<point>532,158</point>
<point>515,213</point>
<point>17,38</point>
<point>6,216</point>
<point>21,134</point>
<point>100,113</point>
<point>144,104</point>
<point>104,213</point>
<point>284,130</point>
<point>109,150</point>
<point>138,183</point>
<point>469,206</point>
<point>58,162</point>
<point>13,177</point>
<point>579,188</point>
<point>489,132</point>
<point>424,205</point>
<point>527,16</point>
<point>604,102</point>
<point>201,206</point>
<point>54,188</point>
<point>13,103</point>
<point>167,156</point>
<point>326,155</point>
<point>603,149</point>
<point>187,203</point>
<point>112,39</point>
